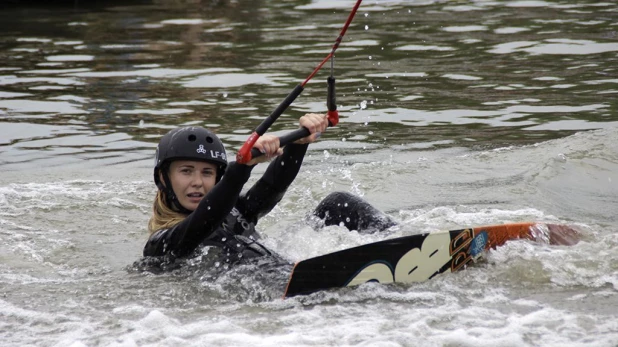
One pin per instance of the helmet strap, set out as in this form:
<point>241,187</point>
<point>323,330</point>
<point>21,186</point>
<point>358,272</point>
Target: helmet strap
<point>170,197</point>
<point>220,172</point>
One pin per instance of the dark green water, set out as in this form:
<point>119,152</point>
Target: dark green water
<point>478,74</point>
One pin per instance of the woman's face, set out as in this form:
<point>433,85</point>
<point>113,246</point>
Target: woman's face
<point>191,180</point>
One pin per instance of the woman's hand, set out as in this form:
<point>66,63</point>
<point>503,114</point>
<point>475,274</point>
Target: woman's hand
<point>269,146</point>
<point>316,124</point>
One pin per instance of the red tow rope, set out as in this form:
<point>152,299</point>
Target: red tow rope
<point>245,153</point>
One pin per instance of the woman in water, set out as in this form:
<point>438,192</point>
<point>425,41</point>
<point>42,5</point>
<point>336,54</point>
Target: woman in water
<point>199,201</point>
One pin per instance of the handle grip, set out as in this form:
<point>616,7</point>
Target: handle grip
<point>285,140</point>
<point>244,155</point>
<point>331,103</point>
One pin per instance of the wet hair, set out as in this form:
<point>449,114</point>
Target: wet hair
<point>163,217</point>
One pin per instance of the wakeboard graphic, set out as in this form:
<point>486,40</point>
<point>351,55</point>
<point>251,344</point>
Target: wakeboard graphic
<point>415,258</point>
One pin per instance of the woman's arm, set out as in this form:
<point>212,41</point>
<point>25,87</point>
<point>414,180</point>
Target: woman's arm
<point>270,188</point>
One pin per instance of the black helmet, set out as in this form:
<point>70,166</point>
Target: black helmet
<point>188,143</point>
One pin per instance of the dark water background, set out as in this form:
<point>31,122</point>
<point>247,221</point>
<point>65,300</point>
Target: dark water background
<point>478,74</point>
<point>453,114</point>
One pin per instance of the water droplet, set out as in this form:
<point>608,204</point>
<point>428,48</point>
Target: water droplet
<point>346,204</point>
<point>208,208</point>
<point>217,264</point>
<point>343,139</point>
<point>347,219</point>
<point>225,95</point>
<point>223,239</point>
<point>363,104</point>
<point>366,27</point>
<point>370,57</point>
<point>141,123</point>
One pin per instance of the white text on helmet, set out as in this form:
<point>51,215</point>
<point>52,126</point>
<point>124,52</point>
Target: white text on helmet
<point>217,154</point>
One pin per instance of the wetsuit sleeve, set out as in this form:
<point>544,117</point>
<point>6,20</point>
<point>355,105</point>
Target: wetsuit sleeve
<point>270,188</point>
<point>185,236</point>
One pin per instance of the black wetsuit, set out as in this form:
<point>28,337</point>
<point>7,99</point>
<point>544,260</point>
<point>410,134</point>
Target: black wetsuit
<point>225,219</point>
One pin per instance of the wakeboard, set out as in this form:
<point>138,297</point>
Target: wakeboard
<point>415,258</point>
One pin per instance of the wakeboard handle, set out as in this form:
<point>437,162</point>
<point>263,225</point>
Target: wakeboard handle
<point>244,155</point>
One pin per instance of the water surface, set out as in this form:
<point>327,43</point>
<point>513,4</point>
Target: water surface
<point>453,114</point>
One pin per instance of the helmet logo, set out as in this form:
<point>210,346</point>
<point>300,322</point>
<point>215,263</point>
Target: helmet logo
<point>217,154</point>
<point>201,149</point>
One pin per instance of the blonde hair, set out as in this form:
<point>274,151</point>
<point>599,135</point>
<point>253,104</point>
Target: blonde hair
<point>163,217</point>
